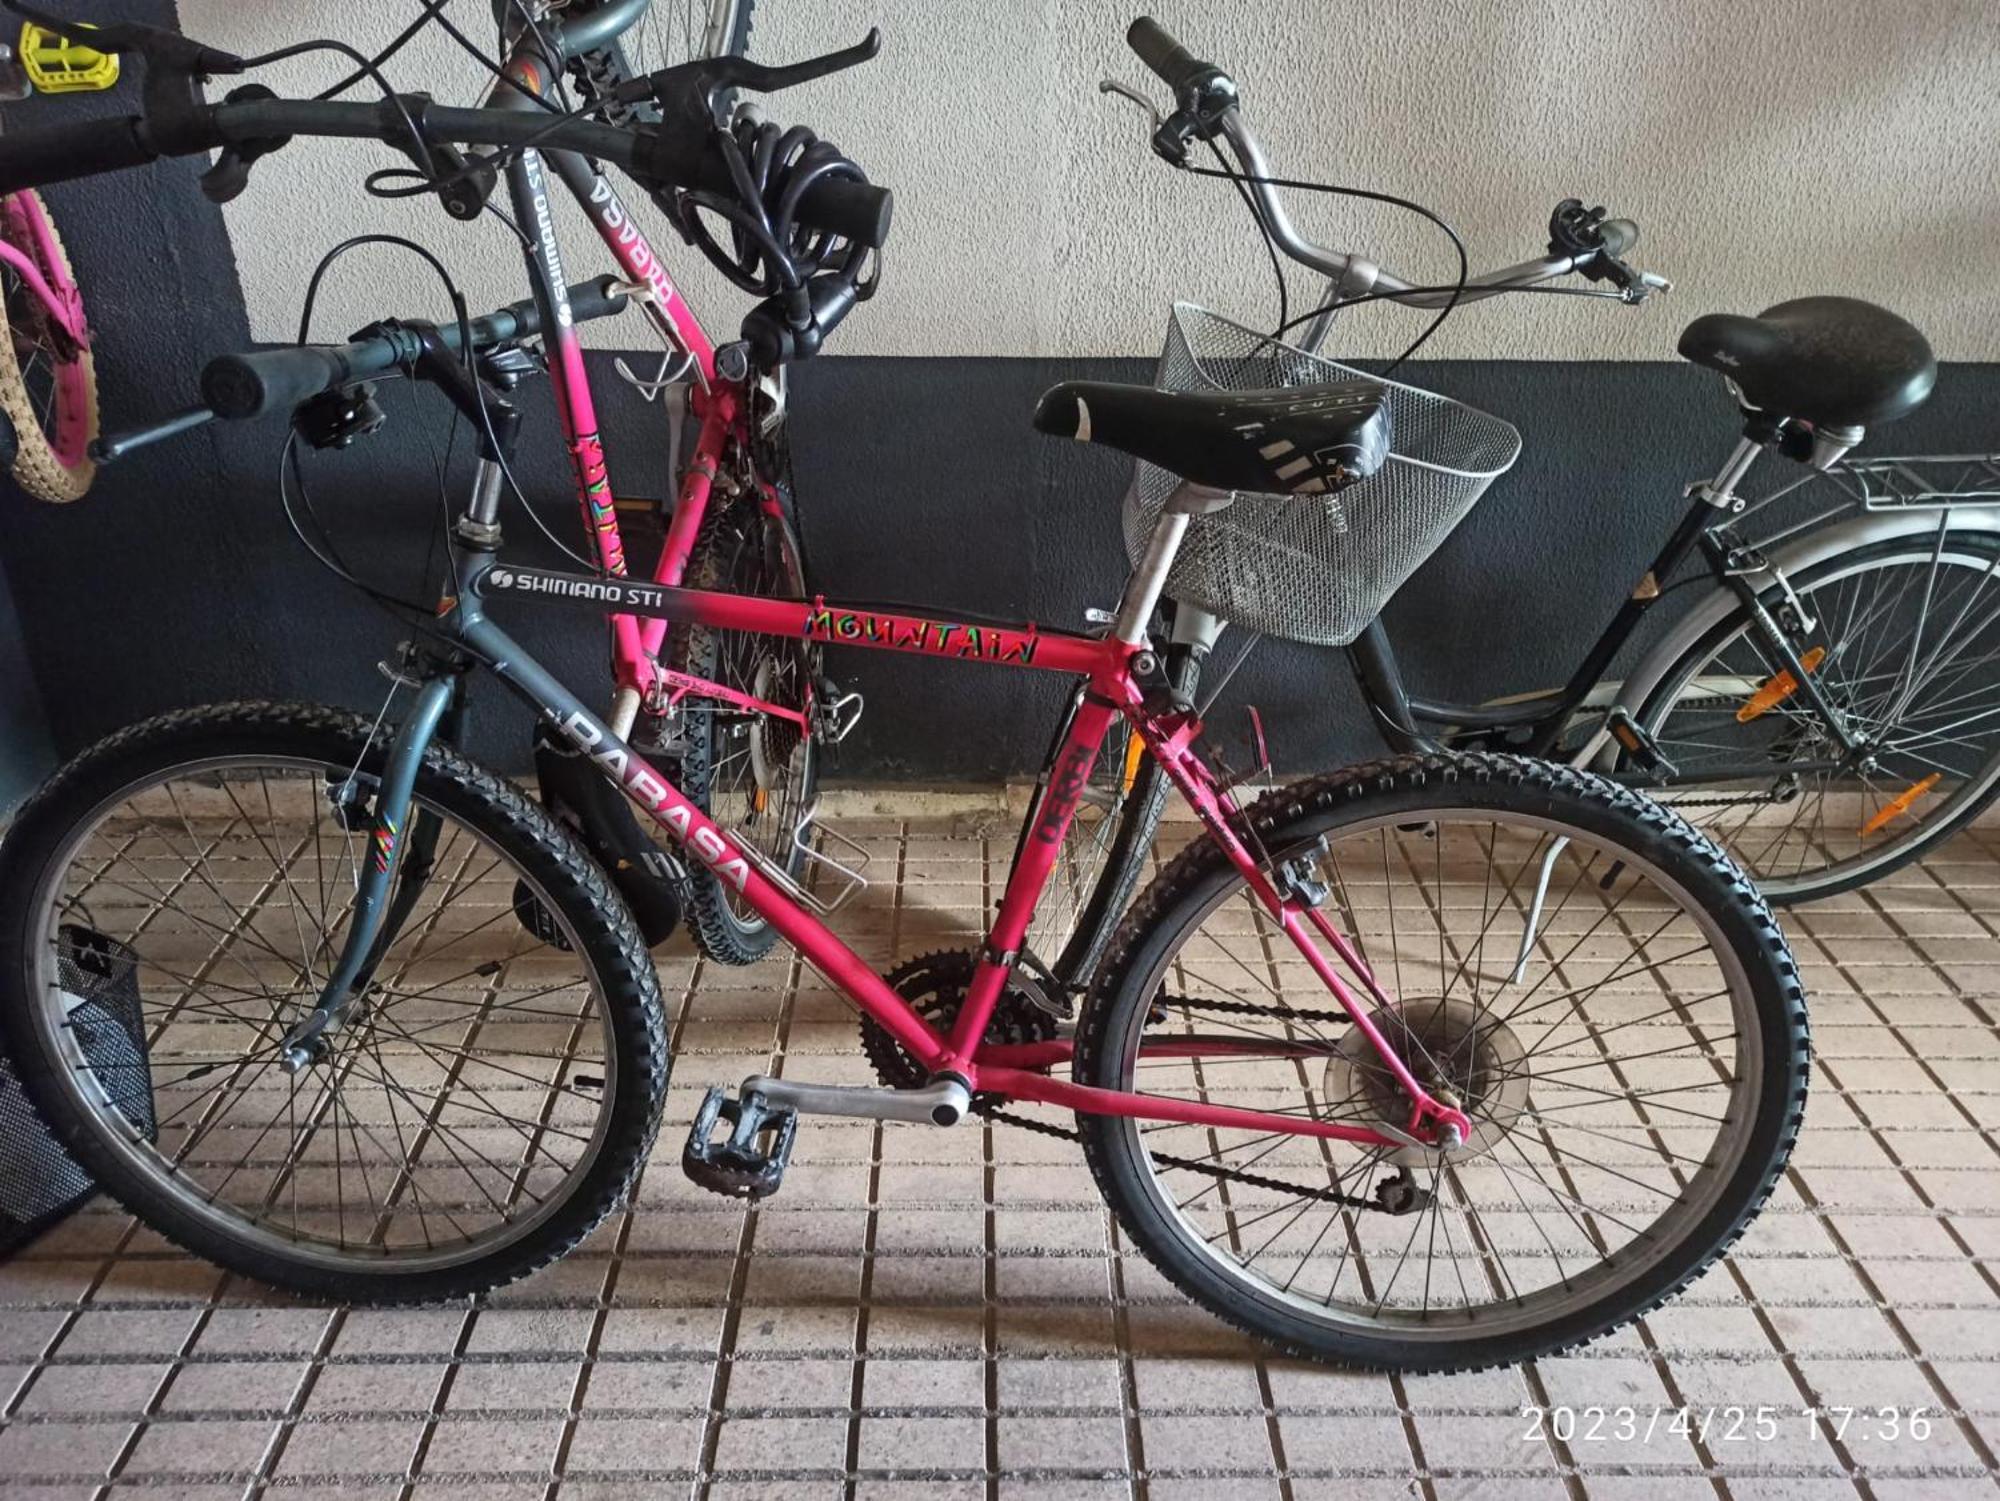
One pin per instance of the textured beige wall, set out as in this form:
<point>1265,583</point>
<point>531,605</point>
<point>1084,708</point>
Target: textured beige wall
<point>1769,148</point>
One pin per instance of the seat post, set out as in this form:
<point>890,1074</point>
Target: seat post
<point>1720,492</point>
<point>1148,580</point>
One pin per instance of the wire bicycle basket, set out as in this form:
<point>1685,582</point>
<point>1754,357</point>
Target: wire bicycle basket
<point>1315,570</point>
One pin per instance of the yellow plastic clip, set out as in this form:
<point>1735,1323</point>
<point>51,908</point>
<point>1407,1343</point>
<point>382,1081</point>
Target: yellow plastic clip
<point>1135,752</point>
<point>1898,805</point>
<point>1777,688</point>
<point>57,65</point>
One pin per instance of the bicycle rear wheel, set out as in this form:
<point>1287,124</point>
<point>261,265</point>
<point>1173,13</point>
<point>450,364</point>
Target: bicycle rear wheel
<point>48,381</point>
<point>757,773</point>
<point>170,905</point>
<point>1905,642</point>
<point>1633,1058</point>
<point>670,32</point>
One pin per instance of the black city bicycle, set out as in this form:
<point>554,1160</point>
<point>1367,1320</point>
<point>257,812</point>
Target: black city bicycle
<point>1827,708</point>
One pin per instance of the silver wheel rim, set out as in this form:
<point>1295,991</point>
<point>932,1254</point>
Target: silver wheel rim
<point>670,33</point>
<point>334,1125</point>
<point>1777,849</point>
<point>1447,1309</point>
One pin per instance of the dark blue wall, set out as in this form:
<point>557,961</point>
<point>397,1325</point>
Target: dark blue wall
<point>25,749</point>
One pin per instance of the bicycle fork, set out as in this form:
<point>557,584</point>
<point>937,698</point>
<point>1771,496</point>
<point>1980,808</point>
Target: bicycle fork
<point>389,881</point>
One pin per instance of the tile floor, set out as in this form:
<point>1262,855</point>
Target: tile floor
<point>944,1314</point>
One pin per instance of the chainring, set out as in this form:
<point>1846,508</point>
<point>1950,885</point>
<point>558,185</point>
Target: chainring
<point>935,986</point>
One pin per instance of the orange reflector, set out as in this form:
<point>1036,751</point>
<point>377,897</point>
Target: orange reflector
<point>1898,805</point>
<point>759,799</point>
<point>1776,690</point>
<point>1135,752</point>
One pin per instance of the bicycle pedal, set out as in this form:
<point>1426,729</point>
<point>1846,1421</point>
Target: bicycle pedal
<point>749,1161</point>
<point>1637,743</point>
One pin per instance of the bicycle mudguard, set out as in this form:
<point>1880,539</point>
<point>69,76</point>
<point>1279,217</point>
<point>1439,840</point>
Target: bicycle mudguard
<point>1806,551</point>
<point>646,875</point>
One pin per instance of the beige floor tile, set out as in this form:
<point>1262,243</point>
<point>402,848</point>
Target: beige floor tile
<point>888,1267</point>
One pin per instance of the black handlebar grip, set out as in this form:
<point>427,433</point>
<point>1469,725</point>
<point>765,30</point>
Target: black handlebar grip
<point>858,210</point>
<point>238,386</point>
<point>63,153</point>
<point>596,299</point>
<point>1159,51</point>
<point>667,157</point>
<point>1619,236</point>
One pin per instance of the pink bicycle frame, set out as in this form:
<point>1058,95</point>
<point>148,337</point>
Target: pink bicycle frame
<point>639,616</point>
<point>722,407</point>
<point>1110,691</point>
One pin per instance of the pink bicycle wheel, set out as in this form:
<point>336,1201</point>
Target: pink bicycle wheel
<point>48,384</point>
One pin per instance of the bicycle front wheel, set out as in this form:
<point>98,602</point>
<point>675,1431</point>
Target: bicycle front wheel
<point>1904,641</point>
<point>1592,982</point>
<point>670,32</point>
<point>170,906</point>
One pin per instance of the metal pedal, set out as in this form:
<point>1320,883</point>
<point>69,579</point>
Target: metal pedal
<point>737,1166</point>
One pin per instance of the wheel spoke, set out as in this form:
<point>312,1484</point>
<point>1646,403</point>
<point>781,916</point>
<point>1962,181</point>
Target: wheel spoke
<point>445,1103</point>
<point>1604,1091</point>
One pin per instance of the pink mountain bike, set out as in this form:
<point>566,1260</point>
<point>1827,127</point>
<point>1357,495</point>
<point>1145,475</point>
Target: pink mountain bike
<point>1424,1065</point>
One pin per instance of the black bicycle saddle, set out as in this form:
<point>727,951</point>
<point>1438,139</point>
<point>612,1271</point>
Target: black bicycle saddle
<point>1304,440</point>
<point>1830,361</point>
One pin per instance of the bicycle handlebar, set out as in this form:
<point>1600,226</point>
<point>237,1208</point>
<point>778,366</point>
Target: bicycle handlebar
<point>240,386</point>
<point>659,158</point>
<point>587,30</point>
<point>1207,106</point>
<point>60,153</point>
<point>1157,49</point>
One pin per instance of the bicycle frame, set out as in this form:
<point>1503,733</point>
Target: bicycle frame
<point>1538,720</point>
<point>723,407</point>
<point>640,612</point>
<point>1111,690</point>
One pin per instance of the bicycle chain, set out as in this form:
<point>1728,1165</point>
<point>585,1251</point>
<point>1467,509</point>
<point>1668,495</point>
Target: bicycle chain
<point>1206,1169</point>
<point>1724,802</point>
<point>986,1108</point>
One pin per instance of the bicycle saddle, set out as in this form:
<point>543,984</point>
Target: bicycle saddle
<point>1305,440</point>
<point>1830,361</point>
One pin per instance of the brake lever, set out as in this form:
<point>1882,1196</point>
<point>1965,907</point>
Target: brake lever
<point>226,180</point>
<point>766,78</point>
<point>698,83</point>
<point>1126,91</point>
